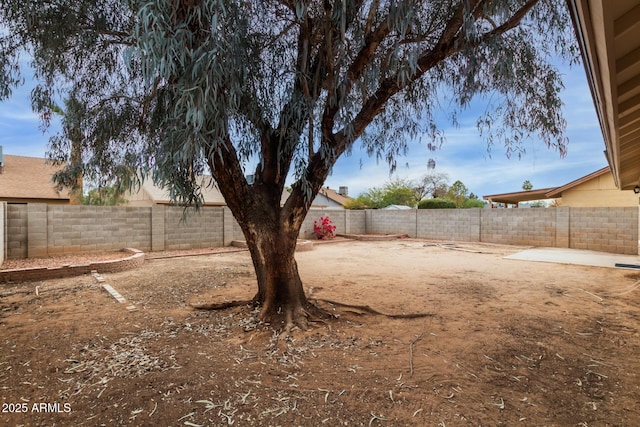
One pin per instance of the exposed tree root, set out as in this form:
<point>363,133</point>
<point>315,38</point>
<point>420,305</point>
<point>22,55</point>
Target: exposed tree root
<point>368,310</point>
<point>297,316</point>
<point>284,318</point>
<point>221,305</point>
<point>302,316</point>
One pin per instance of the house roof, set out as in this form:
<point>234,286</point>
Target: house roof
<point>519,196</point>
<point>333,195</point>
<point>543,193</point>
<point>557,192</point>
<point>607,33</point>
<point>210,192</point>
<point>28,178</point>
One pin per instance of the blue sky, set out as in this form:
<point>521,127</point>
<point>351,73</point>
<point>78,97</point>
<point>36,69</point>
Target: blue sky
<point>463,156</point>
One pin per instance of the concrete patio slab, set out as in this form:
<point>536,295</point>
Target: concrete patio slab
<point>576,256</point>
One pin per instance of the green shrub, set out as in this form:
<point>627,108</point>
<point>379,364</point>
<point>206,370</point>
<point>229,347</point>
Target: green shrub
<point>538,204</point>
<point>436,204</point>
<point>359,203</point>
<point>473,203</point>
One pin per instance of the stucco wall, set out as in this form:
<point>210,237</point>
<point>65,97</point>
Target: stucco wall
<point>322,201</point>
<point>599,192</point>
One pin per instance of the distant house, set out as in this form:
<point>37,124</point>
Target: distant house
<point>329,198</point>
<point>594,190</point>
<point>149,194</point>
<point>28,180</point>
<point>397,207</point>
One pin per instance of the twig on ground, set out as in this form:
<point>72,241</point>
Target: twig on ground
<point>191,414</point>
<point>376,417</point>
<point>499,405</point>
<point>617,294</point>
<point>154,409</point>
<point>592,294</point>
<point>411,344</point>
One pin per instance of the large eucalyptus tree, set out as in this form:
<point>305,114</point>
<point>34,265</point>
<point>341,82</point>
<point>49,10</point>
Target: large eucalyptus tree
<point>172,89</point>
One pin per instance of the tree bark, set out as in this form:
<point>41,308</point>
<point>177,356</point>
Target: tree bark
<point>272,243</point>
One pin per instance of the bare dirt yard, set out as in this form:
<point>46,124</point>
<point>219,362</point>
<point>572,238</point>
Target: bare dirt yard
<point>503,343</point>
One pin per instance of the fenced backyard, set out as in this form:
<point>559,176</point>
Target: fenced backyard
<point>36,230</point>
<point>424,334</point>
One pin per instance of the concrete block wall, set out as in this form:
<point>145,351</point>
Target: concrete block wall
<point>449,224</point>
<point>337,216</point>
<point>17,226</point>
<point>158,228</point>
<point>534,227</point>
<point>346,221</point>
<point>202,229</point>
<point>230,227</point>
<point>356,222</point>
<point>605,229</point>
<point>237,231</point>
<point>392,222</point>
<point>39,230</point>
<point>75,229</point>
<point>562,226</point>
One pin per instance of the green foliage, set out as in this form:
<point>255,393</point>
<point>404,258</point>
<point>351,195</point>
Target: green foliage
<point>436,204</point>
<point>538,204</point>
<point>527,186</point>
<point>360,202</point>
<point>399,192</point>
<point>104,196</point>
<point>458,192</point>
<point>472,203</point>
<point>171,89</point>
<point>395,192</point>
<point>373,198</point>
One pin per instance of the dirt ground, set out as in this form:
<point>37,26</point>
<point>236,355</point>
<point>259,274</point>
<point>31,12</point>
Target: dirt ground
<point>504,343</point>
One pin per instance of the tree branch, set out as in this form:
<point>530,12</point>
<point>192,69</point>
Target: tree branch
<point>227,172</point>
<point>451,41</point>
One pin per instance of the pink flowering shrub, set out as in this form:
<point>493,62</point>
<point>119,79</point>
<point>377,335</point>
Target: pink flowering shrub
<point>324,228</point>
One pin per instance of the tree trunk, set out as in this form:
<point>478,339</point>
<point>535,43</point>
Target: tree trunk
<point>272,245</point>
